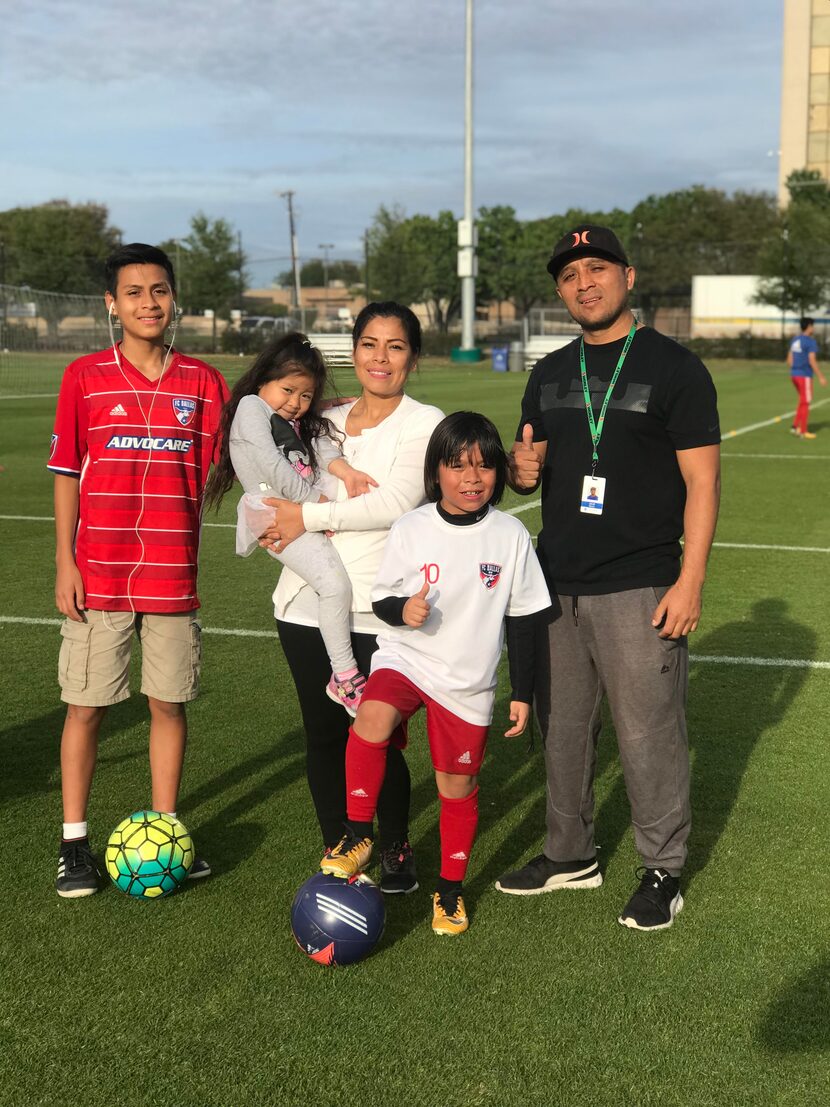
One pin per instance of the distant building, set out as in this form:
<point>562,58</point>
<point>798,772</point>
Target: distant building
<point>335,306</point>
<point>724,307</point>
<point>805,91</point>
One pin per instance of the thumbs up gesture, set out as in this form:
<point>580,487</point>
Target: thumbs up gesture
<point>526,461</point>
<point>416,609</point>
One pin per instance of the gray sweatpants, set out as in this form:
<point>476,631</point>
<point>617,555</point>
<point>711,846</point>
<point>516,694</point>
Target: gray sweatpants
<point>606,644</point>
<point>313,558</point>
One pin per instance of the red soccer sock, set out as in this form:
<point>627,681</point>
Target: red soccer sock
<point>458,824</point>
<point>365,770</point>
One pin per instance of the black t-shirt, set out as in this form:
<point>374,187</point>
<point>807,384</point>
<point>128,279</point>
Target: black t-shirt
<point>664,401</point>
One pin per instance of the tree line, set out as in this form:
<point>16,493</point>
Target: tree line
<point>412,258</point>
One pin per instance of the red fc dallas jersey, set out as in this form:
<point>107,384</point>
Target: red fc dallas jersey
<point>142,450</point>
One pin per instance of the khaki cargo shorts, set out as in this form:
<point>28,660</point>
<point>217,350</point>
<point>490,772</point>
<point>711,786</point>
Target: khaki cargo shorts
<point>94,663</point>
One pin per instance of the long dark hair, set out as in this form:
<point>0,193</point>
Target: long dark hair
<point>459,432</point>
<point>293,353</point>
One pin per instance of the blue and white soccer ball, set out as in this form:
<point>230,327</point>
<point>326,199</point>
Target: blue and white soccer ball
<point>337,921</point>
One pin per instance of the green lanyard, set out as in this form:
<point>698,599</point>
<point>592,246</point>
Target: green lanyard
<point>596,427</point>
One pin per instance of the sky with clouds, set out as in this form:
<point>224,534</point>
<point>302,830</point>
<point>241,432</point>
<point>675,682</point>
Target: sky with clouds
<point>159,111</point>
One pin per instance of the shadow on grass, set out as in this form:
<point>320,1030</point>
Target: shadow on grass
<point>30,750</point>
<point>798,1021</point>
<point>227,838</point>
<point>730,708</point>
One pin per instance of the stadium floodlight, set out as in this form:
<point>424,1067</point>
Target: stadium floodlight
<point>467,234</point>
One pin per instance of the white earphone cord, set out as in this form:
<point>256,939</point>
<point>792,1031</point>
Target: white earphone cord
<point>146,418</point>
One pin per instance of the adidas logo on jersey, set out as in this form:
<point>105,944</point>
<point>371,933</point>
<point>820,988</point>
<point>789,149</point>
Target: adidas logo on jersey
<point>359,793</point>
<point>460,856</point>
<point>118,410</point>
<point>465,758</point>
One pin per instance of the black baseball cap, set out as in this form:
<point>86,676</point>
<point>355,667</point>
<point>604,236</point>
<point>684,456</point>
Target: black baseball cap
<point>587,240</point>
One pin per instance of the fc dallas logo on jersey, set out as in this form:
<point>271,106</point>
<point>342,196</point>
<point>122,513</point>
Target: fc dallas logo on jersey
<point>489,574</point>
<point>184,409</point>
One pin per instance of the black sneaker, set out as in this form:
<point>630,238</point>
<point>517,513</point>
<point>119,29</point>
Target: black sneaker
<point>200,868</point>
<point>77,871</point>
<point>655,903</point>
<point>397,870</point>
<point>543,875</point>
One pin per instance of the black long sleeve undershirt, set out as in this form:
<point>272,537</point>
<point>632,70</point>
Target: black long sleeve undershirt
<point>521,654</point>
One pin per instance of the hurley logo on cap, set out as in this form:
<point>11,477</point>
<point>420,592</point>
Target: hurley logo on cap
<point>589,240</point>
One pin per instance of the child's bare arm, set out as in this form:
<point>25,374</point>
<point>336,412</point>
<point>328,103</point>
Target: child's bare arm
<point>519,716</point>
<point>356,482</point>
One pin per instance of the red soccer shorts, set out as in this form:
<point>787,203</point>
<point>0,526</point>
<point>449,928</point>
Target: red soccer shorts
<point>455,745</point>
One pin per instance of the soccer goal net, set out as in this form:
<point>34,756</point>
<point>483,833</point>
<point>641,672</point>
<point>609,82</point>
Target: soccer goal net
<point>40,332</point>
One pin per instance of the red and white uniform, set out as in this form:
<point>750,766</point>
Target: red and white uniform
<point>477,574</point>
<point>142,450</point>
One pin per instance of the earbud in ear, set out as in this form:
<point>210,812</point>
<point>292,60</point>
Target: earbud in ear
<point>111,308</point>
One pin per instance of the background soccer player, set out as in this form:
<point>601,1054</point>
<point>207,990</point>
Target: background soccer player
<point>802,359</point>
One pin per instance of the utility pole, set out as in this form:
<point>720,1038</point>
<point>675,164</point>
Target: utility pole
<point>366,280</point>
<point>288,196</point>
<point>467,233</point>
<point>239,269</point>
<point>325,247</point>
<point>3,320</point>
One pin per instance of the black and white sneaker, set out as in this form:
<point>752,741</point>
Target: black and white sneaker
<point>543,875</point>
<point>199,869</point>
<point>655,903</point>
<point>77,870</point>
<point>397,870</point>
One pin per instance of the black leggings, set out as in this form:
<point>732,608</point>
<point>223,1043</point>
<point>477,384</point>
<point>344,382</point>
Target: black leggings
<point>327,730</point>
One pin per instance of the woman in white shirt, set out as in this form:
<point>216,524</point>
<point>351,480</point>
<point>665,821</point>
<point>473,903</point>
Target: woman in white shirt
<point>385,435</point>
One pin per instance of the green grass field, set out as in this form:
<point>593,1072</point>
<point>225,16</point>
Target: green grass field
<point>203,999</point>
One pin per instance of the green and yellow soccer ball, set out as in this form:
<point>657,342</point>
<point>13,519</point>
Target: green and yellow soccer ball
<point>149,854</point>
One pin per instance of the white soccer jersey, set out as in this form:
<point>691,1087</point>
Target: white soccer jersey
<point>477,574</point>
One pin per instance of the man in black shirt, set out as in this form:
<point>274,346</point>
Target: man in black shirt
<point>621,428</point>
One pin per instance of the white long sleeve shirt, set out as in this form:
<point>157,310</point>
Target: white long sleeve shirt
<point>393,454</point>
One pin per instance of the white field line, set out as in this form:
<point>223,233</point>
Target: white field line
<point>511,511</point>
<point>779,662</point>
<point>781,457</point>
<point>31,396</point>
<point>234,633</point>
<point>769,422</point>
<point>761,546</point>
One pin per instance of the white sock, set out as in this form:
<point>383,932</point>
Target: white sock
<point>172,814</point>
<point>72,831</point>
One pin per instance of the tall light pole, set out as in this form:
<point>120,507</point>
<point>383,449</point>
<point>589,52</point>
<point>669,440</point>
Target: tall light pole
<point>288,196</point>
<point>467,233</point>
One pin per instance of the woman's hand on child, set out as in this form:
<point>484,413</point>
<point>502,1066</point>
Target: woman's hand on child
<point>416,609</point>
<point>519,714</point>
<point>288,524</point>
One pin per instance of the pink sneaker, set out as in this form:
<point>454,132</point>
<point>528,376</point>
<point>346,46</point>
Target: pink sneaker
<point>348,693</point>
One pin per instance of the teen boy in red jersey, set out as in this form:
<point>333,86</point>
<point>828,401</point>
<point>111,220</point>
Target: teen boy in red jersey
<point>135,434</point>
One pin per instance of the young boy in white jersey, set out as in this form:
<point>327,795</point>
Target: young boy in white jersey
<point>135,433</point>
<point>453,571</point>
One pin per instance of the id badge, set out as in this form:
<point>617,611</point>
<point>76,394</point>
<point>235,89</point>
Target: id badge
<point>593,496</point>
